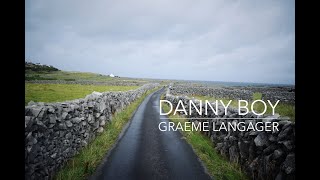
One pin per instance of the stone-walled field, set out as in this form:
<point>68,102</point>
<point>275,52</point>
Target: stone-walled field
<point>261,154</point>
<point>55,132</point>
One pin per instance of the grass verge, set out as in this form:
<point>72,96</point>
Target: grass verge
<point>85,163</point>
<point>218,166</point>
<point>63,92</point>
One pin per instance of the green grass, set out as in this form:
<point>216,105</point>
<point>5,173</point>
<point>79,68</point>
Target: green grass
<point>218,166</point>
<point>256,96</point>
<point>74,76</point>
<point>38,77</point>
<point>63,92</point>
<point>63,75</point>
<point>85,163</point>
<point>284,109</point>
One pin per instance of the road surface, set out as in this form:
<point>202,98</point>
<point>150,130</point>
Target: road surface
<point>145,152</point>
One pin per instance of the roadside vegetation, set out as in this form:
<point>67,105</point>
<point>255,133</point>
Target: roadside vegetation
<point>85,163</point>
<point>62,92</point>
<point>284,109</point>
<point>217,166</point>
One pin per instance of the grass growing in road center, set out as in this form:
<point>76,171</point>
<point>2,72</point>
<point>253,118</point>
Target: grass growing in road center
<point>217,166</point>
<point>84,164</point>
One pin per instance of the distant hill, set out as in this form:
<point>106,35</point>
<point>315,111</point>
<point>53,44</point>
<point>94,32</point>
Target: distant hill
<point>37,67</point>
<point>39,73</point>
<point>48,74</point>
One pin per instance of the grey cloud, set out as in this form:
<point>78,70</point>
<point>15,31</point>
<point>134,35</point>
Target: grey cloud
<point>209,40</point>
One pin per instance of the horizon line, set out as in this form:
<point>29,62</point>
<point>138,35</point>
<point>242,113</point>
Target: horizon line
<point>218,81</point>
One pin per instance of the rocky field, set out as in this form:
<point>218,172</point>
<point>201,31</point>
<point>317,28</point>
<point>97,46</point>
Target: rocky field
<point>285,94</point>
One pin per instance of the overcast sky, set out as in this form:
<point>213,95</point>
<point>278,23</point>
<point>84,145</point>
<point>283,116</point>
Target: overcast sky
<point>227,40</point>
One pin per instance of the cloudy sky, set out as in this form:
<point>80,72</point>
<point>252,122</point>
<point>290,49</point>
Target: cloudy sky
<point>212,40</point>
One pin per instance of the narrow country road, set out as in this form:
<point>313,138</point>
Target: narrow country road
<point>144,152</point>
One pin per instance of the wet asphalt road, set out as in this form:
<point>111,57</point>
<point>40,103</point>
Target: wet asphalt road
<point>145,152</point>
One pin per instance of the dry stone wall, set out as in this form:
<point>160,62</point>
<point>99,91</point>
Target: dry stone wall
<point>265,155</point>
<point>55,132</point>
<point>284,94</point>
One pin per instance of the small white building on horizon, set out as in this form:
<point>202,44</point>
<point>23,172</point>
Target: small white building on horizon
<point>111,75</point>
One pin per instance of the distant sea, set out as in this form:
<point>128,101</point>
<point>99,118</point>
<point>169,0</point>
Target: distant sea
<point>222,83</point>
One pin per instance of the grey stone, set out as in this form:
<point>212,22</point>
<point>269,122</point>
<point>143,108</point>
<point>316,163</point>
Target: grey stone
<point>62,126</point>
<point>50,109</point>
<point>282,123</point>
<point>102,123</point>
<point>68,135</point>
<point>54,155</point>
<point>84,143</point>
<point>219,145</point>
<point>289,164</point>
<point>66,142</point>
<point>278,153</point>
<point>284,133</point>
<point>97,115</point>
<point>51,125</point>
<point>86,135</point>
<point>261,139</point>
<point>65,152</point>
<point>244,149</point>
<point>40,124</point>
<point>96,125</point>
<point>69,124</point>
<point>31,140</point>
<point>254,133</point>
<point>84,123</point>
<point>275,116</point>
<point>53,119</point>
<point>36,111</point>
<point>64,115</point>
<point>51,147</point>
<point>103,117</point>
<point>62,133</point>
<point>288,144</point>
<point>29,148</point>
<point>254,164</point>
<point>90,119</point>
<point>30,103</point>
<point>72,107</point>
<point>270,149</point>
<point>90,104</point>
<point>101,107</point>
<point>27,120</point>
<point>234,154</point>
<point>234,115</point>
<point>100,130</point>
<point>69,116</point>
<point>272,138</point>
<point>76,120</point>
<point>287,125</point>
